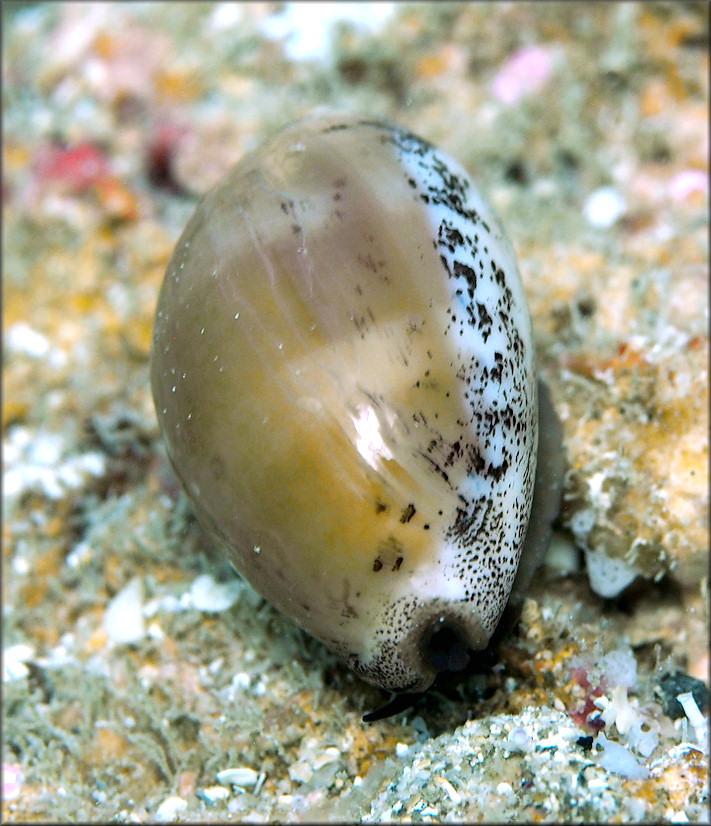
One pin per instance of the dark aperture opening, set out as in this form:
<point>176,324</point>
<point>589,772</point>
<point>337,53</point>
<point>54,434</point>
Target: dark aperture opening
<point>446,648</point>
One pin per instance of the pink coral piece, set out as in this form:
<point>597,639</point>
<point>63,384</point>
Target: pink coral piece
<point>524,73</point>
<point>687,182</point>
<point>77,168</point>
<point>11,781</point>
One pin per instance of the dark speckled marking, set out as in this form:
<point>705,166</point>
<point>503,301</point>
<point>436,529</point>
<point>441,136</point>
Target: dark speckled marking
<point>498,437</point>
<point>407,513</point>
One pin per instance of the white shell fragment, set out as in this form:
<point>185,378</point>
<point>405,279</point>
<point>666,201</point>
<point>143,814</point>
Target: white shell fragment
<point>123,619</point>
<point>698,722</point>
<point>343,371</point>
<point>171,809</point>
<point>608,576</point>
<point>620,760</point>
<point>242,776</point>
<point>14,658</point>
<point>212,597</point>
<point>604,207</point>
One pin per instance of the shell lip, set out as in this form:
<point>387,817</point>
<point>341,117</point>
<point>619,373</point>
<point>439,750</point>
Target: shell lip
<point>446,681</point>
<point>443,639</point>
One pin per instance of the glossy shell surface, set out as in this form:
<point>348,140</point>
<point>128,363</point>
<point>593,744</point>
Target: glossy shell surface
<point>343,372</point>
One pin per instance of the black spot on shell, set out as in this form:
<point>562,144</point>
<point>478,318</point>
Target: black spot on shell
<point>407,513</point>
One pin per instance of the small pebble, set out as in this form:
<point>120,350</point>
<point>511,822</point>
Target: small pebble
<point>123,620</point>
<point>330,755</point>
<point>11,781</point>
<point>453,794</point>
<point>562,557</point>
<point>608,575</point>
<point>604,207</point>
<point>21,338</point>
<point>523,74</point>
<point>243,776</point>
<point>211,597</point>
<point>301,772</point>
<point>214,793</point>
<point>14,658</point>
<point>687,182</point>
<point>170,809</point>
<point>619,760</point>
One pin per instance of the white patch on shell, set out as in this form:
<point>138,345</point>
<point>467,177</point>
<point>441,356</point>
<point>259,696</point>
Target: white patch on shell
<point>488,336</point>
<point>370,442</point>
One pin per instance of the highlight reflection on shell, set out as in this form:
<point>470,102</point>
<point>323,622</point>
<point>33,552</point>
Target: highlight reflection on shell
<point>343,372</point>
